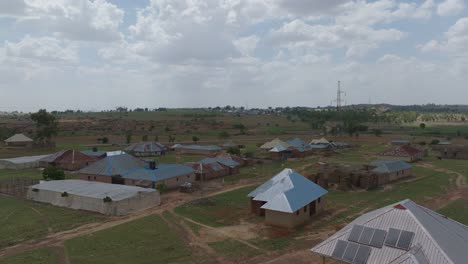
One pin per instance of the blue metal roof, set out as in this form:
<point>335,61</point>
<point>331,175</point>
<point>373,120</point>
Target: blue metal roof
<point>113,165</point>
<point>388,166</point>
<point>163,172</point>
<point>223,161</point>
<point>288,192</point>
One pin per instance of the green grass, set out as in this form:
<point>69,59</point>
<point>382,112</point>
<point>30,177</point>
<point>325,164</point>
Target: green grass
<point>457,210</point>
<point>39,256</point>
<point>29,173</point>
<point>460,166</point>
<point>233,249</point>
<point>223,210</point>
<point>273,243</point>
<point>146,240</point>
<point>24,220</point>
<point>432,184</point>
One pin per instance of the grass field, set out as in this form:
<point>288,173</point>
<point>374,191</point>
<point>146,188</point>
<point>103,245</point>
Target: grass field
<point>39,256</point>
<point>457,210</point>
<point>29,173</point>
<point>23,220</point>
<point>233,249</point>
<point>460,166</point>
<point>147,240</point>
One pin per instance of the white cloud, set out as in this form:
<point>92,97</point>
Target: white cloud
<point>450,7</point>
<point>86,20</point>
<point>247,45</point>
<point>455,42</point>
<point>12,8</point>
<point>44,49</point>
<point>358,40</point>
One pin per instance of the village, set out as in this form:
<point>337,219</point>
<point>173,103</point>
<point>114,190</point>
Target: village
<point>307,197</point>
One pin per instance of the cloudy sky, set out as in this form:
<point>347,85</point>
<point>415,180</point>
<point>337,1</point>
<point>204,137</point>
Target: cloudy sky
<point>99,54</point>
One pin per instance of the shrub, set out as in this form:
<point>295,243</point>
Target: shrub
<point>64,194</point>
<point>107,199</point>
<point>53,173</point>
<point>161,187</point>
<point>234,151</point>
<point>435,142</point>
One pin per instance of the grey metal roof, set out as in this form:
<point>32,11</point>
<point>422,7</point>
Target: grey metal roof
<point>198,147</point>
<point>113,165</point>
<point>163,172</point>
<point>91,189</point>
<point>388,166</point>
<point>439,239</point>
<point>278,148</point>
<point>25,159</point>
<point>400,141</point>
<point>18,138</point>
<point>94,153</point>
<point>296,142</point>
<point>145,147</point>
<point>223,161</point>
<point>288,192</point>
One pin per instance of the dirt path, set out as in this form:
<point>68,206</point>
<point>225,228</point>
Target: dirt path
<point>221,232</point>
<point>59,238</point>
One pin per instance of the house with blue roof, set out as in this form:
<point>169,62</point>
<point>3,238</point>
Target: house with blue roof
<point>129,170</point>
<point>287,200</point>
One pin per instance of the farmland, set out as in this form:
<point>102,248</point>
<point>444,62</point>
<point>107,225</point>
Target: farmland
<point>215,225</point>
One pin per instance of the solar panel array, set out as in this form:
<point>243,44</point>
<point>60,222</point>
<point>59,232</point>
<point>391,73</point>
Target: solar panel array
<point>399,238</point>
<point>351,252</point>
<point>367,236</point>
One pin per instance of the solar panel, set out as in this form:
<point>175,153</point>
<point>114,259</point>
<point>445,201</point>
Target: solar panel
<point>339,249</point>
<point>350,252</point>
<point>392,237</point>
<point>355,233</point>
<point>362,255</point>
<point>366,235</point>
<point>405,240</point>
<point>378,238</point>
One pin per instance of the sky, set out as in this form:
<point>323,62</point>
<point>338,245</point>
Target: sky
<point>101,54</point>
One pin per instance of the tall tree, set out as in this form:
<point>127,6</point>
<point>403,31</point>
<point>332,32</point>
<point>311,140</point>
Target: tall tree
<point>46,126</point>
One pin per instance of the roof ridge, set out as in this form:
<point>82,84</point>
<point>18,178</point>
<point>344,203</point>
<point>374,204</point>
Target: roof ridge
<point>427,232</point>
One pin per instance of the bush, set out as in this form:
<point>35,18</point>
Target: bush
<point>435,142</point>
<point>234,151</point>
<point>161,187</point>
<point>107,199</point>
<point>249,154</point>
<point>64,194</point>
<point>104,140</point>
<point>422,143</point>
<point>53,173</point>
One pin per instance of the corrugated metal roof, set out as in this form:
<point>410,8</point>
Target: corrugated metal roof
<point>319,141</point>
<point>297,143</point>
<point>388,166</point>
<point>198,147</point>
<point>278,148</point>
<point>68,156</point>
<point>441,240</point>
<point>223,161</point>
<point>94,153</point>
<point>288,192</point>
<point>18,138</point>
<point>113,165</point>
<point>91,189</point>
<point>163,172</point>
<point>145,147</point>
<point>275,142</point>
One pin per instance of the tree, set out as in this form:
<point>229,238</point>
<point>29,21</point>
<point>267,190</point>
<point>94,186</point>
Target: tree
<point>172,138</point>
<point>377,132</point>
<point>422,126</point>
<point>195,139</point>
<point>128,136</point>
<point>104,140</point>
<point>46,126</point>
<point>223,135</point>
<point>53,173</point>
<point>144,138</point>
<point>234,151</point>
<point>156,138</point>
